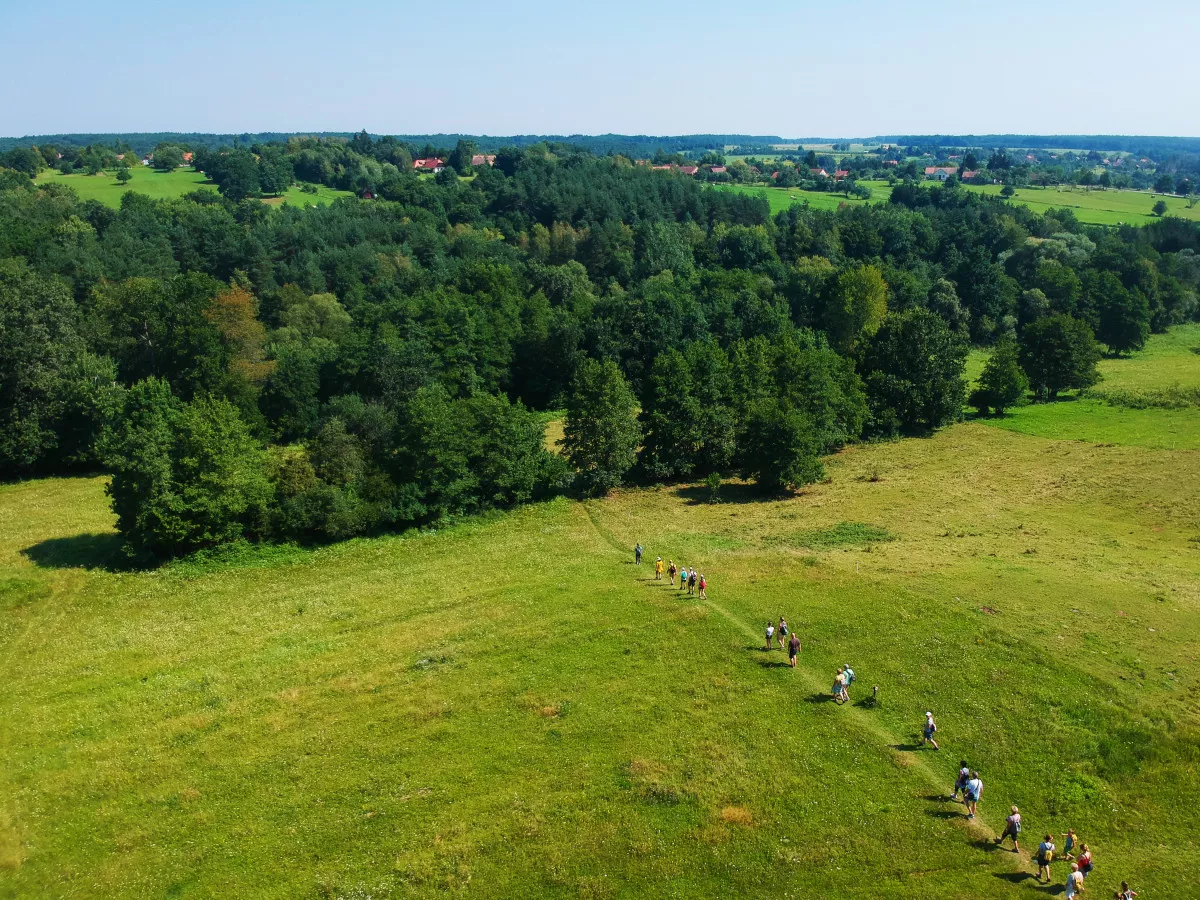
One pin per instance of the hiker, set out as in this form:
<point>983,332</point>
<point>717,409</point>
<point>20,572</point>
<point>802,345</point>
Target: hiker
<point>658,569</point>
<point>850,678</point>
<point>770,633</point>
<point>1125,893</point>
<point>671,570</point>
<point>793,649</point>
<point>1069,844</point>
<point>692,582</point>
<point>1044,856</point>
<point>1085,860</point>
<point>839,685</point>
<point>1074,882</point>
<point>703,588</point>
<point>960,784</point>
<point>974,793</point>
<point>1012,829</point>
<point>637,554</point>
<point>781,632</point>
<point>683,578</point>
<point>928,731</point>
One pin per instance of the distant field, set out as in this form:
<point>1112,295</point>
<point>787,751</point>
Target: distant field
<point>1168,360</point>
<point>1098,207</point>
<point>781,198</point>
<point>168,186</point>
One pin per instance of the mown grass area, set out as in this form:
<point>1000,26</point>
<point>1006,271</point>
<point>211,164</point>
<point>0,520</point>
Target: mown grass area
<point>169,186</point>
<point>1098,207</point>
<point>782,198</point>
<point>1109,413</point>
<point>509,707</point>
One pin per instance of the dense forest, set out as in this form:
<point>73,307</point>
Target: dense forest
<point>254,372</point>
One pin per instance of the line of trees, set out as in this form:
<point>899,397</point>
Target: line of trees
<point>268,373</point>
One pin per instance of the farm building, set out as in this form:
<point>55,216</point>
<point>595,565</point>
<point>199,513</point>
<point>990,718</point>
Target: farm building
<point>429,164</point>
<point>940,173</point>
<point>482,159</point>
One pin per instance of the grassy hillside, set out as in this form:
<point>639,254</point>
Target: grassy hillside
<point>509,707</point>
<point>167,186</point>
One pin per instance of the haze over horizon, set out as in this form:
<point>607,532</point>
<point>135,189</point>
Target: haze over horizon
<point>867,68</point>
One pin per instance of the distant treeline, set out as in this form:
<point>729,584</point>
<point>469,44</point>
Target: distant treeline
<point>1148,145</point>
<point>639,145</point>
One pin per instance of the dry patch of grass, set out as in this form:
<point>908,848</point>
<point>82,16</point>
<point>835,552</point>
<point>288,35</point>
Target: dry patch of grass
<point>737,815</point>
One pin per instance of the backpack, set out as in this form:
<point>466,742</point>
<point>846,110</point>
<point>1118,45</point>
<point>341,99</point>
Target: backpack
<point>850,676</point>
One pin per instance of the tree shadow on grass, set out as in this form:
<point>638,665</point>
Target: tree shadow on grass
<point>80,551</point>
<point>731,492</point>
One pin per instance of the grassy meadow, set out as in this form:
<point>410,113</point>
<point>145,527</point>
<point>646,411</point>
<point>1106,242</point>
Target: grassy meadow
<point>169,186</point>
<point>782,198</point>
<point>1098,207</point>
<point>509,707</point>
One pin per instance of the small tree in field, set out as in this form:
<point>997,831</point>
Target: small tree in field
<point>601,432</point>
<point>1003,381</point>
<point>123,175</point>
<point>1059,352</point>
<point>781,448</point>
<point>1159,208</point>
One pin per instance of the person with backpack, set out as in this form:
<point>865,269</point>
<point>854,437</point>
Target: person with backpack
<point>1126,893</point>
<point>770,633</point>
<point>658,569</point>
<point>781,632</point>
<point>683,577</point>
<point>793,649</point>
<point>1074,882</point>
<point>637,554</point>
<point>1085,860</point>
<point>1045,856</point>
<point>960,784</point>
<point>928,731</point>
<point>691,582</point>
<point>1012,829</point>
<point>1069,844</point>
<point>850,679</point>
<point>671,570</point>
<point>703,586</point>
<point>839,686</point>
<point>973,793</point>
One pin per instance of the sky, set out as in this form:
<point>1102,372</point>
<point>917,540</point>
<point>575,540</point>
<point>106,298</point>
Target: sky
<point>797,69</point>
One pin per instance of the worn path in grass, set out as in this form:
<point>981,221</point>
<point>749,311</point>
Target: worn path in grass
<point>851,714</point>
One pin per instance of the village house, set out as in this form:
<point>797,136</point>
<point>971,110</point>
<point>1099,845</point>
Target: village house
<point>480,159</point>
<point>840,174</point>
<point>429,164</point>
<point>718,170</point>
<point>820,173</point>
<point>940,173</point>
<point>968,174</point>
<point>689,170</point>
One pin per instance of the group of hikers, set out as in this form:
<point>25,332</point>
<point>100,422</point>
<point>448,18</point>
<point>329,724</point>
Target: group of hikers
<point>689,579</point>
<point>968,784</point>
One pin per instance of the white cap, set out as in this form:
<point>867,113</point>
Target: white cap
<point>929,715</point>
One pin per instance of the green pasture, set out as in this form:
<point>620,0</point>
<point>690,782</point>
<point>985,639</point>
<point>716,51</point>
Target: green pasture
<point>508,707</point>
<point>1104,415</point>
<point>168,186</point>
<point>1098,207</point>
<point>782,198</point>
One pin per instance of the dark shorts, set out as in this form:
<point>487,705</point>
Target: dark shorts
<point>791,652</point>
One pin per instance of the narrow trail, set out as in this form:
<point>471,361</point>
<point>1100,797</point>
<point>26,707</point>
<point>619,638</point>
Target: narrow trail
<point>859,718</point>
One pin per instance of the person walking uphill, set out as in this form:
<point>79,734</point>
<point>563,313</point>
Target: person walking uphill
<point>671,570</point>
<point>658,569</point>
<point>793,649</point>
<point>1012,829</point>
<point>1044,856</point>
<point>929,730</point>
<point>637,554</point>
<point>692,582</point>
<point>1074,882</point>
<point>770,633</point>
<point>973,793</point>
<point>703,587</point>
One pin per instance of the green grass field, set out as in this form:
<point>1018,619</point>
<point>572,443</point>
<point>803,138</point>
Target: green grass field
<point>508,707</point>
<point>168,186</point>
<point>1097,207</point>
<point>1168,361</point>
<point>782,198</point>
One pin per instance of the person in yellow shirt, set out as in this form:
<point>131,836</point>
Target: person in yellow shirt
<point>658,569</point>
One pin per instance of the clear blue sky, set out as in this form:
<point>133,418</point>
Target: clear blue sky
<point>513,66</point>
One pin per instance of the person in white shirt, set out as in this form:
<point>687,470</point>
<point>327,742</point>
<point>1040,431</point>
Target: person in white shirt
<point>1074,882</point>
<point>974,794</point>
<point>1012,829</point>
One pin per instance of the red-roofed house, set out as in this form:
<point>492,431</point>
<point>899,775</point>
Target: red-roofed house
<point>480,159</point>
<point>689,170</point>
<point>939,173</point>
<point>718,170</point>
<point>968,174</point>
<point>661,168</point>
<point>840,174</point>
<point>188,156</point>
<point>821,173</point>
<point>430,164</point>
